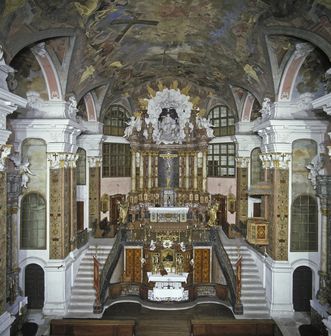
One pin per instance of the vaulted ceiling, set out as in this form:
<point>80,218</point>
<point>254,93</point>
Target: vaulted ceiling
<point>125,45</point>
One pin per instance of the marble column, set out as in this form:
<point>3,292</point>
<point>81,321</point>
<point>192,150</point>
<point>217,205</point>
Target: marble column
<point>204,171</point>
<point>4,152</point>
<point>195,171</point>
<point>149,178</point>
<point>278,217</point>
<point>241,194</point>
<point>323,191</point>
<point>133,171</point>
<point>59,205</point>
<point>141,172</point>
<point>94,163</point>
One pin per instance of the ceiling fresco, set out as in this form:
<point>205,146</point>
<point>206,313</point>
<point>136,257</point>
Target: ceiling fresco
<point>128,44</point>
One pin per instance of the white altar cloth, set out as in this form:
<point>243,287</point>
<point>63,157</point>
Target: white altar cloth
<point>170,210</point>
<point>170,277</point>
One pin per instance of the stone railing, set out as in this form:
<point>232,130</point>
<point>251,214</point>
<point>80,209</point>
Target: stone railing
<point>108,270</point>
<point>230,276</point>
<point>82,238</point>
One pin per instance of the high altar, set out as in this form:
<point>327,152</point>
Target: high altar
<point>168,199</point>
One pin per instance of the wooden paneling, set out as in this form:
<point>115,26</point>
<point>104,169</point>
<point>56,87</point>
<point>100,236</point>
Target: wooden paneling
<point>133,264</point>
<point>80,216</point>
<point>201,265</point>
<point>232,327</point>
<point>92,327</point>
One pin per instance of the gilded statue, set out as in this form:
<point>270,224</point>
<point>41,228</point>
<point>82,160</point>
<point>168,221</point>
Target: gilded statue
<point>123,212</point>
<point>212,212</point>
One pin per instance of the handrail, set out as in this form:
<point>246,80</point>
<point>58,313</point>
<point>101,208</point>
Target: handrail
<point>82,238</point>
<point>227,269</point>
<point>96,279</point>
<point>238,279</point>
<point>108,269</point>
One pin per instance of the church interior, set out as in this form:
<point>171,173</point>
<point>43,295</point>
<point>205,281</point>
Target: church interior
<point>165,167</point>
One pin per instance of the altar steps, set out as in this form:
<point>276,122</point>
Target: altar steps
<point>82,293</point>
<point>253,295</point>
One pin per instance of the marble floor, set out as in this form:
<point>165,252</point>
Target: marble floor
<point>287,324</point>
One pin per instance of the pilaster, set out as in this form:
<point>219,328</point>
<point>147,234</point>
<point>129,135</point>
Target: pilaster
<point>94,163</point>
<point>277,165</point>
<point>59,207</point>
<point>242,191</point>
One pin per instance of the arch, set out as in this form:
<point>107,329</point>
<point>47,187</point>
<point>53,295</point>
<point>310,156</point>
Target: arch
<point>23,39</point>
<point>306,35</point>
<point>247,108</point>
<point>33,221</point>
<point>114,120</point>
<point>49,71</point>
<point>90,107</point>
<point>291,71</point>
<point>302,285</point>
<point>34,286</point>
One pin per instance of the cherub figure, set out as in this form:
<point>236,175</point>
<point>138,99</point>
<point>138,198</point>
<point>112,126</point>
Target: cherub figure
<point>212,212</point>
<point>123,209</point>
<point>25,172</point>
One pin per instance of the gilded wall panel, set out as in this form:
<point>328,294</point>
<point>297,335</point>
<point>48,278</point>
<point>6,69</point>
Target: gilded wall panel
<point>94,196</point>
<point>3,243</point>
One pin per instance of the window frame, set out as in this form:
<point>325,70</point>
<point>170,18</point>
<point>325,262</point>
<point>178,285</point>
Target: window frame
<point>223,120</point>
<point>114,120</point>
<point>215,170</point>
<point>114,162</point>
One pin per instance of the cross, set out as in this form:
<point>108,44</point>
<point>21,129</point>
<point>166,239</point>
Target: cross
<point>129,24</point>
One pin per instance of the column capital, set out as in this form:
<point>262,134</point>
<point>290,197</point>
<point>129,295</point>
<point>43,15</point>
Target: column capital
<point>57,160</point>
<point>275,160</point>
<point>94,161</point>
<point>243,162</point>
<point>72,160</point>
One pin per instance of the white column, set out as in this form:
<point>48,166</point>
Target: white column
<point>187,171</point>
<point>141,171</point>
<point>195,172</point>
<point>133,171</point>
<point>156,174</point>
<point>204,171</point>
<point>149,181</point>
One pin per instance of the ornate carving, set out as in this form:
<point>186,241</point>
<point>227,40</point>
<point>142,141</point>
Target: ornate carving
<point>4,152</point>
<point>94,161</point>
<point>169,112</point>
<point>25,172</point>
<point>275,160</point>
<point>72,108</point>
<point>242,162</point>
<point>57,160</point>
<point>266,108</point>
<point>303,49</point>
<point>314,168</point>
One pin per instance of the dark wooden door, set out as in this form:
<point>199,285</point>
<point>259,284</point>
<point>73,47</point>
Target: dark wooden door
<point>34,286</point>
<point>80,216</point>
<point>302,288</point>
<point>201,266</point>
<point>133,264</point>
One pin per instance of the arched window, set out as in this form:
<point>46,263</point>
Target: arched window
<point>114,121</point>
<point>256,166</point>
<point>223,120</point>
<point>304,224</point>
<point>33,222</point>
<point>81,167</point>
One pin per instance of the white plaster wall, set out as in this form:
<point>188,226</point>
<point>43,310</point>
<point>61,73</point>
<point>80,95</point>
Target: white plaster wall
<point>115,185</point>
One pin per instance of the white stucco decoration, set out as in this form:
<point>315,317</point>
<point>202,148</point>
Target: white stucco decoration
<point>169,130</point>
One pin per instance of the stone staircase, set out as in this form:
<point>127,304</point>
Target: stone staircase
<point>253,295</point>
<point>83,293</point>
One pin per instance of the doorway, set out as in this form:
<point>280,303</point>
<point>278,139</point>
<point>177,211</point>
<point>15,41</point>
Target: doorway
<point>34,286</point>
<point>302,288</point>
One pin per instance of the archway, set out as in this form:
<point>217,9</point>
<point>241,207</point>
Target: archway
<point>302,288</point>
<point>34,286</point>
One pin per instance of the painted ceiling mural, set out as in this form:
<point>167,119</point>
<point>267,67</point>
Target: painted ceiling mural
<point>129,44</point>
